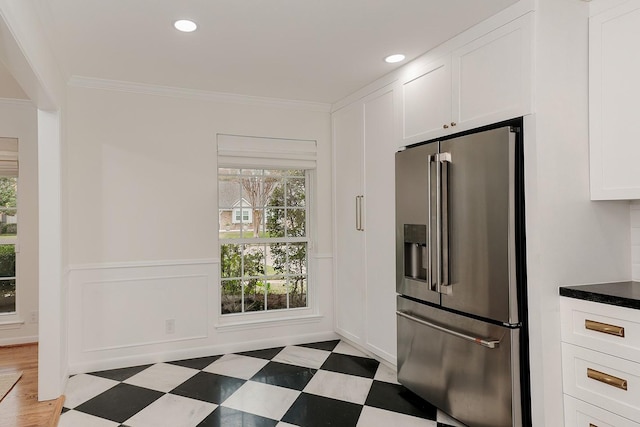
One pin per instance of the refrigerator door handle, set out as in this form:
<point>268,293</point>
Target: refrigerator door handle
<point>445,160</point>
<point>429,264</point>
<point>485,342</point>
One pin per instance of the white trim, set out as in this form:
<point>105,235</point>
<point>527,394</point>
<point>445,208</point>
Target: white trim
<point>328,255</point>
<point>11,324</point>
<point>165,356</point>
<point>17,102</point>
<point>18,340</point>
<point>201,95</point>
<point>268,323</point>
<point>139,264</point>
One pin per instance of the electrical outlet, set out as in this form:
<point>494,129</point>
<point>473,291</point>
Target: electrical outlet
<point>170,326</point>
<point>33,317</point>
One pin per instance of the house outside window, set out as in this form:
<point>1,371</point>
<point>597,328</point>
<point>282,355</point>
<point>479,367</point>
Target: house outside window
<point>264,241</point>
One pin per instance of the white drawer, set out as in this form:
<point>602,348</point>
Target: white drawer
<point>580,369</point>
<point>575,314</point>
<point>580,414</point>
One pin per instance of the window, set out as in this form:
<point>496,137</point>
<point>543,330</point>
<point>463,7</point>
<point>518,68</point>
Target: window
<point>8,223</point>
<point>264,242</point>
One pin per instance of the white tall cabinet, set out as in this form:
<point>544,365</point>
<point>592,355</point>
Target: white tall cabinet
<point>364,223</point>
<point>614,90</point>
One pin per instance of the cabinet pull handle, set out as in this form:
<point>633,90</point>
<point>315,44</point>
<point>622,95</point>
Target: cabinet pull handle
<point>607,379</point>
<point>453,124</point>
<point>445,126</point>
<point>592,325</point>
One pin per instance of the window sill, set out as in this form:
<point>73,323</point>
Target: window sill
<point>230,326</point>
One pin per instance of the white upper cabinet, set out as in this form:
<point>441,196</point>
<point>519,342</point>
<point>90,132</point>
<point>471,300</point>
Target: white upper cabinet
<point>614,91</point>
<point>426,101</point>
<point>484,81</point>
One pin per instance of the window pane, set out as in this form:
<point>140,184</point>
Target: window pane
<point>254,260</point>
<point>231,259</point>
<point>297,292</point>
<point>276,198</point>
<point>277,294</point>
<point>7,261</point>
<point>297,253</point>
<point>231,296</point>
<point>254,295</point>
<point>295,192</point>
<point>275,222</point>
<point>278,257</point>
<point>296,223</point>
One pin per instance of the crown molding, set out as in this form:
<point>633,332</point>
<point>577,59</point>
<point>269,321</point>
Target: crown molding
<point>17,102</point>
<point>201,95</point>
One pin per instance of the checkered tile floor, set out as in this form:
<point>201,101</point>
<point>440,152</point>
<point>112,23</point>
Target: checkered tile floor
<point>320,384</point>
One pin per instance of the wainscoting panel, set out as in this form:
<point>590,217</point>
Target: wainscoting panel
<point>117,309</point>
<point>123,313</point>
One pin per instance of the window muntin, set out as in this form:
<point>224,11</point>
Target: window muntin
<point>264,255</point>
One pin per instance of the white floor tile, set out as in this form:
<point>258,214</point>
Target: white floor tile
<point>339,386</point>
<point>83,387</point>
<point>386,374</point>
<point>237,366</point>
<point>446,419</point>
<point>80,419</point>
<point>161,377</point>
<point>345,348</point>
<point>374,417</point>
<point>302,356</point>
<point>171,410</point>
<point>262,399</point>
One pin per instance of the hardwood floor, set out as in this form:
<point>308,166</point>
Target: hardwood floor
<point>20,408</point>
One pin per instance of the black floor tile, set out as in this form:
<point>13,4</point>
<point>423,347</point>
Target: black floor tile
<point>396,398</point>
<point>268,353</point>
<point>284,375</point>
<point>323,345</point>
<point>208,387</point>
<point>120,374</point>
<point>227,417</point>
<point>197,363</point>
<point>316,411</point>
<point>352,365</point>
<point>120,403</point>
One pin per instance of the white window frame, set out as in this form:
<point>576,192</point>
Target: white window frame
<point>268,153</point>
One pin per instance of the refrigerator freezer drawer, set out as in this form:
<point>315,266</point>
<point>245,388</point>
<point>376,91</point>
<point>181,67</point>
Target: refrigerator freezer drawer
<point>467,368</point>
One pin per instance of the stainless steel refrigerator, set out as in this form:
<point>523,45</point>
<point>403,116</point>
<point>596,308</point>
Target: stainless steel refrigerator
<point>460,276</point>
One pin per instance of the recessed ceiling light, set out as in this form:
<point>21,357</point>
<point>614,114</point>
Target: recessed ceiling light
<point>392,59</point>
<point>185,25</point>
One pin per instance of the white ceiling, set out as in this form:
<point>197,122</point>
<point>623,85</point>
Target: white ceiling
<point>310,50</point>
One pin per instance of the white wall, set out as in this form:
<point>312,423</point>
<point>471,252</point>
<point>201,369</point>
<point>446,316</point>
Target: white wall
<point>134,160</point>
<point>18,119</point>
<point>635,240</point>
<point>570,240</point>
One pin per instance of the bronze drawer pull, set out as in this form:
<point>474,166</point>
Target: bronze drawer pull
<point>592,325</point>
<point>607,379</point>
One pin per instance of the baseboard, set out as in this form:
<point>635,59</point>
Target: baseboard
<point>143,359</point>
<point>18,340</point>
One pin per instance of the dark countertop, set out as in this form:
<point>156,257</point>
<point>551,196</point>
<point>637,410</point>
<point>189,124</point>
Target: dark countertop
<point>622,294</point>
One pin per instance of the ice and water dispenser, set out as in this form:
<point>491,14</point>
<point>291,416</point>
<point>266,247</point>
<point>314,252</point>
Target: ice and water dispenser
<point>415,251</point>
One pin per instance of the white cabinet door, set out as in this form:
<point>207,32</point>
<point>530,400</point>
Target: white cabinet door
<point>492,77</point>
<point>614,91</point>
<point>426,103</point>
<point>348,139</point>
<point>485,81</point>
<point>380,225</point>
